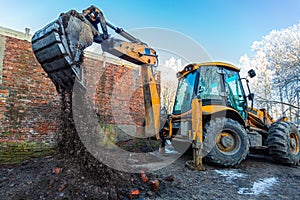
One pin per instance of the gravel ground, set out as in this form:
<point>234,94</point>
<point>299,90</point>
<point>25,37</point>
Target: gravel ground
<point>54,177</point>
<point>255,178</point>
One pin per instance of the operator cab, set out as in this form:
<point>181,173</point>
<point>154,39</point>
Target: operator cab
<point>215,83</point>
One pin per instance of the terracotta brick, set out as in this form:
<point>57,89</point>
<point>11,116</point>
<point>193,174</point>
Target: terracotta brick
<point>29,103</point>
<point>4,93</point>
<point>23,78</point>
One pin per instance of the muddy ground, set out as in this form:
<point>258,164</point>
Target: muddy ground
<point>255,178</point>
<point>55,177</point>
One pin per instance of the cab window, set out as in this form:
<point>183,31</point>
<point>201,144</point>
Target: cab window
<point>209,86</point>
<point>235,93</point>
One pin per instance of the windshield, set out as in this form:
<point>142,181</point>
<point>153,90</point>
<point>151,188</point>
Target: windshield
<point>210,83</point>
<point>185,93</point>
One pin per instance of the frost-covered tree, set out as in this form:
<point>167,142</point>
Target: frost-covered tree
<point>168,92</point>
<point>169,81</point>
<point>276,59</point>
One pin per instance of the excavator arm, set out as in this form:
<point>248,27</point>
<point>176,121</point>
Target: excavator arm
<point>132,50</point>
<point>59,49</point>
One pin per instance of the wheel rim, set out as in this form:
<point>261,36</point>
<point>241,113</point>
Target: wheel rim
<point>228,142</point>
<point>294,143</point>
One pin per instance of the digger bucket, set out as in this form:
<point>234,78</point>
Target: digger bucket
<point>59,48</point>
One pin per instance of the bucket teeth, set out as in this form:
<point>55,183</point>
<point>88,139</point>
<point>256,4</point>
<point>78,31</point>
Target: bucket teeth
<point>59,48</point>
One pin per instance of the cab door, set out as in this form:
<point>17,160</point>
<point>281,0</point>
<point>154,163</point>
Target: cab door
<point>235,93</point>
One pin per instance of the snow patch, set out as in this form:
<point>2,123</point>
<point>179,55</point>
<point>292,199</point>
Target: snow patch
<point>259,187</point>
<point>169,149</point>
<point>230,174</point>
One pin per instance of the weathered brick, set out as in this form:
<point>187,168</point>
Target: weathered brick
<point>4,93</point>
<point>29,103</point>
<point>30,106</point>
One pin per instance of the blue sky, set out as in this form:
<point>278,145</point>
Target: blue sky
<point>225,28</point>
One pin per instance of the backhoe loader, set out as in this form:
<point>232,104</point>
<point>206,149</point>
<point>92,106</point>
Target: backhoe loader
<point>210,113</point>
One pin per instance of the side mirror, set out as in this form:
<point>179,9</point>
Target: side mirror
<point>251,96</point>
<point>251,73</point>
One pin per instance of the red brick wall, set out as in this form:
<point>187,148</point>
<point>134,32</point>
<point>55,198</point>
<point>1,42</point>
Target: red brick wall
<point>29,103</point>
<point>118,94</point>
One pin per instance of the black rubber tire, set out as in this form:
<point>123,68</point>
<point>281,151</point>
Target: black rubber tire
<point>214,153</point>
<point>279,143</point>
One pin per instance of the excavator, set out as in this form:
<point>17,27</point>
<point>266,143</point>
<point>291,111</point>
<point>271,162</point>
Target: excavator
<point>59,49</point>
<point>211,112</point>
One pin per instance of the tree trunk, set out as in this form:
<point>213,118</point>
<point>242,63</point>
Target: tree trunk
<point>281,99</point>
<point>298,103</point>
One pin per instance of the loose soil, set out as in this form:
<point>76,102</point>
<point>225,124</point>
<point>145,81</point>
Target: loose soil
<point>58,177</point>
<point>73,173</point>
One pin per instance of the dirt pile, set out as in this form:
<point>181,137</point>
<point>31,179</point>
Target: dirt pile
<point>82,174</point>
<point>55,177</point>
<point>110,183</point>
